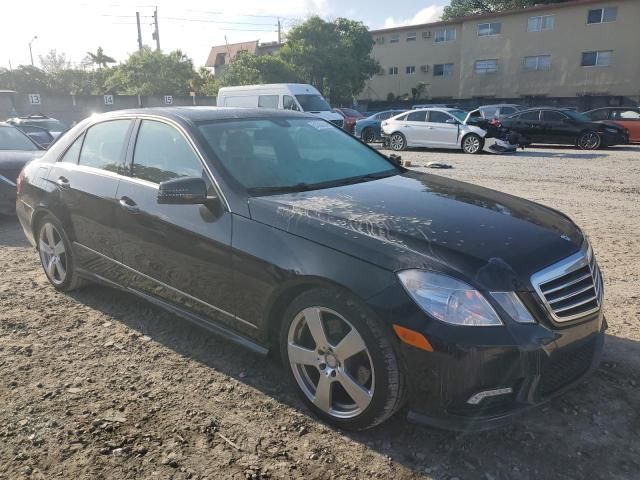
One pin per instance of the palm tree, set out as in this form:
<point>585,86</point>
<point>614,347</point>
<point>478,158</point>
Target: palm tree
<point>99,58</point>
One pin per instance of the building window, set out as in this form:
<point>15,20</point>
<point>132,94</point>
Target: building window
<point>446,35</point>
<point>486,66</point>
<point>443,70</point>
<point>394,38</point>
<point>393,70</point>
<point>380,40</point>
<point>411,37</point>
<point>600,58</point>
<point>541,23</point>
<point>602,15</point>
<point>489,29</point>
<point>537,63</point>
<point>410,69</point>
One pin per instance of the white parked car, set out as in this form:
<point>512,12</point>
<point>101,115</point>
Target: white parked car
<point>435,128</point>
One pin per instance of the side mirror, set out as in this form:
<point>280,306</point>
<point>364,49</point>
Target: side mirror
<point>183,191</point>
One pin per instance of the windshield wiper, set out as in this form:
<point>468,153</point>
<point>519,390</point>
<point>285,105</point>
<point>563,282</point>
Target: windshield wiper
<point>298,187</point>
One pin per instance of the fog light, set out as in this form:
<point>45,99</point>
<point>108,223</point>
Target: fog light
<point>478,397</point>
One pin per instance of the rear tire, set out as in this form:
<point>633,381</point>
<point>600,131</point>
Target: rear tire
<point>472,144</point>
<point>397,142</point>
<point>341,360</point>
<point>589,141</point>
<point>56,255</point>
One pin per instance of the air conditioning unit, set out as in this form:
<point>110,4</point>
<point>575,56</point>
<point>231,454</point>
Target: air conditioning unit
<point>424,68</point>
<point>426,34</point>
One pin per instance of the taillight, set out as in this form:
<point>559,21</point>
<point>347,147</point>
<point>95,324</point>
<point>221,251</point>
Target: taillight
<point>19,182</point>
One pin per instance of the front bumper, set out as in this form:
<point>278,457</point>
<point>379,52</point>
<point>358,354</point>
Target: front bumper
<point>536,362</point>
<point>610,139</point>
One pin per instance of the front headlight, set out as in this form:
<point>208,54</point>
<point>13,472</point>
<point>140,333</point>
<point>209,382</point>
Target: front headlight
<point>448,300</point>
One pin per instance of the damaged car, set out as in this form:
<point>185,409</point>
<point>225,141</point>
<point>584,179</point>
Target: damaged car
<point>381,289</point>
<point>433,128</point>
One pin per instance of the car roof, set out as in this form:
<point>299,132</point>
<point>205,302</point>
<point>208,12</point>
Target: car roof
<point>497,105</point>
<point>201,114</point>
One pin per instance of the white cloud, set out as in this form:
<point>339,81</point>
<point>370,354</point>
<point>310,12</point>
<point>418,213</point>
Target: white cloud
<point>432,13</point>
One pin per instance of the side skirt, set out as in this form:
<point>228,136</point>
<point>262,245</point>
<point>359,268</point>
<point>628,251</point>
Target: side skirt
<point>181,312</point>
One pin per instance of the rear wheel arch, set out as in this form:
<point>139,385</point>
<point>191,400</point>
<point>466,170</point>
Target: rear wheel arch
<point>42,212</point>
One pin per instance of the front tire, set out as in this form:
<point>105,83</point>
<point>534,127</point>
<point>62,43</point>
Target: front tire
<point>368,136</point>
<point>472,144</point>
<point>56,255</point>
<point>397,142</point>
<point>341,360</point>
<point>589,141</point>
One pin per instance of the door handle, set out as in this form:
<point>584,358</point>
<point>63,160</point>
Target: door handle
<point>129,205</point>
<point>63,183</point>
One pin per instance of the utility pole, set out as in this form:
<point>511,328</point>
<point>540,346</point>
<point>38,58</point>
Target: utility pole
<point>156,33</point>
<point>279,32</point>
<point>139,32</point>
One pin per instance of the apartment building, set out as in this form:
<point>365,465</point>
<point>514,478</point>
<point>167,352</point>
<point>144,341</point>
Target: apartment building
<point>572,49</point>
<point>221,55</point>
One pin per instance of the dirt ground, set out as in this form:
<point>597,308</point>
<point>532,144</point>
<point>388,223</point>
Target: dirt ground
<point>99,384</point>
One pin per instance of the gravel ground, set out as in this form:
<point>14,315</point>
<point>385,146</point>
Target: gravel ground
<point>98,384</point>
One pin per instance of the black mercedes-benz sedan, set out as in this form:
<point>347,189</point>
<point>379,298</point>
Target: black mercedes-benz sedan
<point>379,287</point>
<point>562,126</point>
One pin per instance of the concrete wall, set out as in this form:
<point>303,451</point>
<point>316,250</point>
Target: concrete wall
<point>570,37</point>
<point>73,108</point>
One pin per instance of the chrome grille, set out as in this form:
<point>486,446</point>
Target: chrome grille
<point>572,288</point>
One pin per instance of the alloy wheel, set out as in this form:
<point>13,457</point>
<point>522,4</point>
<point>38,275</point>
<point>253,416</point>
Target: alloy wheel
<point>368,136</point>
<point>397,142</point>
<point>53,254</point>
<point>589,141</point>
<point>330,362</point>
<point>471,144</point>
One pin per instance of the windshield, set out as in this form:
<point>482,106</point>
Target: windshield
<point>313,103</point>
<point>293,154</point>
<point>13,139</point>
<point>459,114</point>
<point>580,117</point>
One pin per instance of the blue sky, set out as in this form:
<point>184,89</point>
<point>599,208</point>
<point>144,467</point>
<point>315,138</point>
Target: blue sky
<point>76,26</point>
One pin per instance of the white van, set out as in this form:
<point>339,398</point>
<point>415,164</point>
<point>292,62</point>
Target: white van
<point>288,96</point>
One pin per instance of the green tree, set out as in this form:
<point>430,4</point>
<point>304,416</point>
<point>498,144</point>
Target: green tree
<point>100,59</point>
<point>54,62</point>
<point>25,79</point>
<point>248,68</point>
<point>332,56</point>
<point>150,72</point>
<point>462,8</point>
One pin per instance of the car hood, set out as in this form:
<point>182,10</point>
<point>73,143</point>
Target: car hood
<point>491,239</point>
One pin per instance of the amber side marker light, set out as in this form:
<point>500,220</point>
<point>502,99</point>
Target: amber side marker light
<point>413,338</point>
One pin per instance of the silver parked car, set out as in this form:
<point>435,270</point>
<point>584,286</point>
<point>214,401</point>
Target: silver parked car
<point>435,128</point>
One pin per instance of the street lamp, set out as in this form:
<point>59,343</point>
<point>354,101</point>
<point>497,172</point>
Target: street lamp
<point>35,37</point>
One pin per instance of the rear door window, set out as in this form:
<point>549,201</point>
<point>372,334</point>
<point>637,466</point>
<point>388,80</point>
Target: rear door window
<point>73,152</point>
<point>104,145</point>
<point>600,115</point>
<point>551,116</point>
<point>507,110</point>
<point>417,117</point>
<point>162,153</point>
<point>533,115</point>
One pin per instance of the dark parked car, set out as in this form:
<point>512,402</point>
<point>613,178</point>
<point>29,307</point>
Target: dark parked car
<point>16,149</point>
<point>350,117</point>
<point>625,117</point>
<point>54,126</point>
<point>368,129</point>
<point>500,110</point>
<point>565,127</point>
<point>379,286</point>
<point>39,135</point>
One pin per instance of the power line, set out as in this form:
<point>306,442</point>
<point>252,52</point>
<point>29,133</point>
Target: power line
<point>217,21</point>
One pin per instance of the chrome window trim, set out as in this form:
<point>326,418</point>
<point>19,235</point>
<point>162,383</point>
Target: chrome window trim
<point>162,284</point>
<point>574,262</point>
